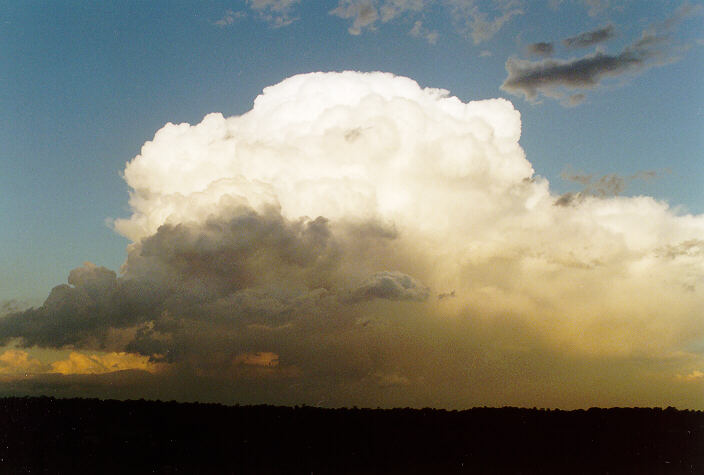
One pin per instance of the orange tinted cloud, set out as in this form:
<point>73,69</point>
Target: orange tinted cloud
<point>16,362</point>
<point>265,359</point>
<point>79,363</point>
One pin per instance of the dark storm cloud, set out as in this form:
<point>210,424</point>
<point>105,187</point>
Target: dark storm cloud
<point>82,313</point>
<point>390,286</point>
<point>589,38</point>
<point>236,283</point>
<point>531,78</point>
<point>540,49</point>
<point>550,77</point>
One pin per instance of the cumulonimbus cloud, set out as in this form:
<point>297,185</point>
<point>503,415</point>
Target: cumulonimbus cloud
<point>305,249</point>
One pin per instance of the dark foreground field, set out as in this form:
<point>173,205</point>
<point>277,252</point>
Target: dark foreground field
<point>47,435</point>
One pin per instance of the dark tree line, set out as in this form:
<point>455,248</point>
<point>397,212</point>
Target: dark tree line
<point>47,435</point>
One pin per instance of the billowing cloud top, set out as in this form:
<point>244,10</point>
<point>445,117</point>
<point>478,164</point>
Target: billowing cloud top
<point>289,254</point>
<point>342,145</point>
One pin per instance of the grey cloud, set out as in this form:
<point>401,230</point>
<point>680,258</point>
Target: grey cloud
<point>226,255</point>
<point>477,22</point>
<point>239,282</point>
<point>393,8</point>
<point>569,198</point>
<point>419,31</point>
<point>691,247</point>
<point>531,78</point>
<point>229,18</point>
<point>589,38</point>
<point>276,12</point>
<point>446,295</point>
<point>11,306</point>
<point>84,312</point>
<point>550,76</point>
<point>596,7</point>
<point>390,285</point>
<point>604,186</point>
<point>540,49</point>
<point>362,12</point>
<point>365,13</point>
<point>480,22</point>
<point>576,99</point>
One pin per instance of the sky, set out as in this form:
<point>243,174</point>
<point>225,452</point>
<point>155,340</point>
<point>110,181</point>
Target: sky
<point>446,203</point>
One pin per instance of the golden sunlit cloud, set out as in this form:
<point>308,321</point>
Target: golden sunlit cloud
<point>18,362</point>
<point>79,363</point>
<point>695,375</point>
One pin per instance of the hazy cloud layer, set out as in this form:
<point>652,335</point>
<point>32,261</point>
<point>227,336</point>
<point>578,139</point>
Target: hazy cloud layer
<point>357,239</point>
<point>551,77</point>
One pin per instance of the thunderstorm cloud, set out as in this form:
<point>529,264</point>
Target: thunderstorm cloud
<point>357,238</point>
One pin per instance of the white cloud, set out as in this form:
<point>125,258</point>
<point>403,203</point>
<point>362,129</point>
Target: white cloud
<point>355,147</point>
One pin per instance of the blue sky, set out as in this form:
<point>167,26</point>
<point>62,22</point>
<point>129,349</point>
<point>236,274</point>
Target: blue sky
<point>85,84</point>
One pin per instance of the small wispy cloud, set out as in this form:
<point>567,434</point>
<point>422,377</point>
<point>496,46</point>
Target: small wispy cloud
<point>480,24</point>
<point>420,31</point>
<point>551,77</point>
<point>229,18</point>
<point>363,14</point>
<point>278,13</point>
<point>603,186</point>
<point>596,7</point>
<point>540,49</point>
<point>589,38</point>
<point>366,13</point>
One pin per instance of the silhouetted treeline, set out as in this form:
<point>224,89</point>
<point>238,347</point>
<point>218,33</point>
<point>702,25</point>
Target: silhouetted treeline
<point>47,435</point>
